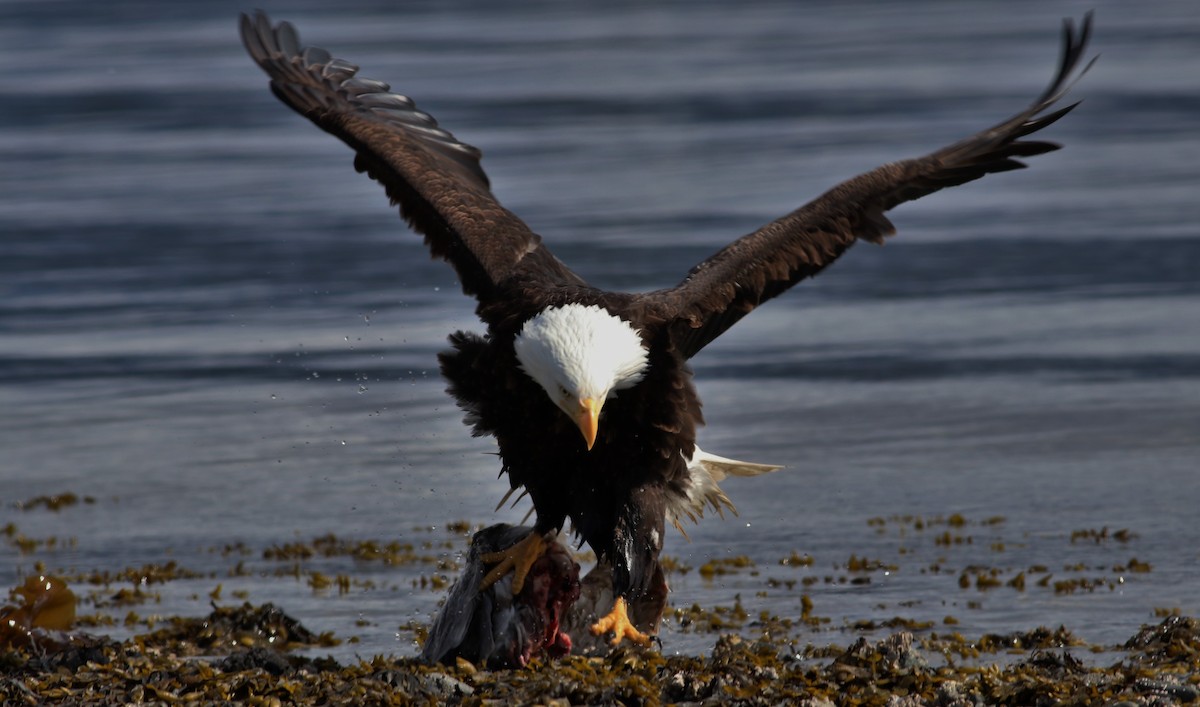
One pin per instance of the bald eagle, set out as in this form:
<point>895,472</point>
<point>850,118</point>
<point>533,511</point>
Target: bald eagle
<point>588,392</point>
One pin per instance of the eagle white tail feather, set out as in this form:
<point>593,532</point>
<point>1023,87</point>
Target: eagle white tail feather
<point>705,471</point>
<point>720,467</point>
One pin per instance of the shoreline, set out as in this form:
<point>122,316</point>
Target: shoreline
<point>234,649</point>
<point>246,654</point>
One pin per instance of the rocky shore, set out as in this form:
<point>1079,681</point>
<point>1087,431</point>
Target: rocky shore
<point>246,654</point>
<point>242,655</point>
<point>232,650</point>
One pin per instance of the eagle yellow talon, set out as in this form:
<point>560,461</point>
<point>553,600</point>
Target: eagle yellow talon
<point>516,559</point>
<point>618,623</point>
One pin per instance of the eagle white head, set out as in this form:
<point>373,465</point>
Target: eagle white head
<point>581,356</point>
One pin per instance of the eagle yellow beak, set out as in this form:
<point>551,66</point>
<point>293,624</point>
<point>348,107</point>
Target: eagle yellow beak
<point>588,419</point>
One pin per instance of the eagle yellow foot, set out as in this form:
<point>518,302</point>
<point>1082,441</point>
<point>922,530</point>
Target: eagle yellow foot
<point>618,623</point>
<point>516,559</point>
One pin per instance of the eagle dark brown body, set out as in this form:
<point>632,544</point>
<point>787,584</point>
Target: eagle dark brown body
<point>617,494</point>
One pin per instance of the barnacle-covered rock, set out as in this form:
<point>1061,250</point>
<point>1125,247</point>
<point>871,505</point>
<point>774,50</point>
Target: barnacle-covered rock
<point>1040,637</point>
<point>1175,639</point>
<point>257,658</point>
<point>895,655</point>
<point>229,629</point>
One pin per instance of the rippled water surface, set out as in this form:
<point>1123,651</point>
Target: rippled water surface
<point>216,330</point>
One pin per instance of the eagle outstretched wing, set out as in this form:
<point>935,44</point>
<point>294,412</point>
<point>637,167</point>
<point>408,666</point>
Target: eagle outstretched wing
<point>724,288</point>
<point>437,180</point>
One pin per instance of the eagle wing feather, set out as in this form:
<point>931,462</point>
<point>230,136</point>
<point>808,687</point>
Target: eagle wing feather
<point>436,179</point>
<point>724,288</point>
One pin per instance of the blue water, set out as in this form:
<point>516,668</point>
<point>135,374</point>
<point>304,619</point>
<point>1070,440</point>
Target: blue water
<point>212,326</point>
